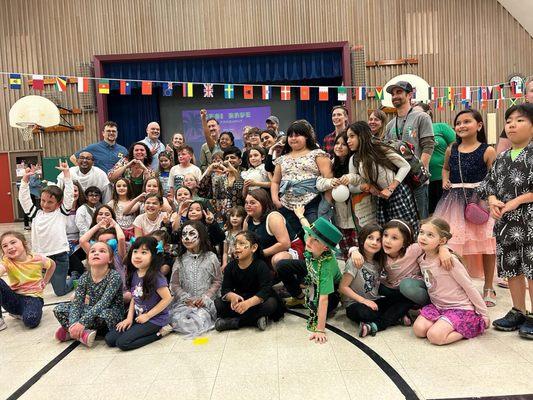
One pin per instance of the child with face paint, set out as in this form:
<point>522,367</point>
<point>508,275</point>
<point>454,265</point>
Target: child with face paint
<point>148,311</point>
<point>97,303</point>
<point>195,282</point>
<point>247,295</point>
<point>199,212</point>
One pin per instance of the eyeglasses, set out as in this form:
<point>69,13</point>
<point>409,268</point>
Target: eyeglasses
<point>85,158</point>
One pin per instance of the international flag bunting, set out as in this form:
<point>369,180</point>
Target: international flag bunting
<point>499,103</point>
<point>15,81</point>
<point>466,93</point>
<point>208,90</point>
<point>83,84</point>
<point>323,93</point>
<point>304,93</point>
<point>379,93</point>
<point>103,86</point>
<point>483,93</point>
<point>452,105</point>
<point>266,92</point>
<point>484,104</point>
<point>248,92</point>
<point>512,102</point>
<point>518,88</point>
<point>433,93</point>
<point>38,82</point>
<point>168,89</point>
<point>146,88</point>
<point>361,93</point>
<point>440,105</point>
<point>61,83</point>
<point>497,92</point>
<point>448,93</point>
<point>342,93</point>
<point>125,88</point>
<point>228,92</point>
<point>489,92</point>
<point>285,93</point>
<point>187,89</point>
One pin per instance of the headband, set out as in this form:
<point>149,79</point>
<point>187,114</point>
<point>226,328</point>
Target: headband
<point>403,223</point>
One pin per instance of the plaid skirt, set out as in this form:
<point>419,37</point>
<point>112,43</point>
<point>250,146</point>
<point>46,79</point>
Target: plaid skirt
<point>401,205</point>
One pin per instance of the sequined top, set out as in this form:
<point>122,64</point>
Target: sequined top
<point>195,276</point>
<point>473,166</point>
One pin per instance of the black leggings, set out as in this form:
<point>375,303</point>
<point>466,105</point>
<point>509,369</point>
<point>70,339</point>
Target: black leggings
<point>137,336</point>
<point>250,317</point>
<point>390,309</point>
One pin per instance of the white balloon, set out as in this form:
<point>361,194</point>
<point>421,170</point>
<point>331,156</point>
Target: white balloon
<point>340,193</point>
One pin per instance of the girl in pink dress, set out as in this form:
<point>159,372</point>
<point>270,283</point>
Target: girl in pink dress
<point>466,164</point>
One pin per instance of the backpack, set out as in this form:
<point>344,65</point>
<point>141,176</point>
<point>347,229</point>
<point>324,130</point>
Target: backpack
<point>418,175</point>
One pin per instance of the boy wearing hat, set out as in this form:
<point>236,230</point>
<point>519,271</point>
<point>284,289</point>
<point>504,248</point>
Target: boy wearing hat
<point>319,271</point>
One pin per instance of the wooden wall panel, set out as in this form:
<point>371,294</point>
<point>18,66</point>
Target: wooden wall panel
<point>455,41</point>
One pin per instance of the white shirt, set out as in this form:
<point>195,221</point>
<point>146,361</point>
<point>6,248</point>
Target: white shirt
<point>94,177</point>
<point>178,171</point>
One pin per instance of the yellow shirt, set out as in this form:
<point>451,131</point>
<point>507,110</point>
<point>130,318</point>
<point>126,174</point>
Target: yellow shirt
<point>26,277</point>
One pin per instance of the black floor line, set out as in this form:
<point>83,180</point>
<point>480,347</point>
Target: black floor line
<point>33,380</point>
<point>394,376</point>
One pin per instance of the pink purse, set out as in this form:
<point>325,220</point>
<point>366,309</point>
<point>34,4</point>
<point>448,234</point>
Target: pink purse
<point>474,213</point>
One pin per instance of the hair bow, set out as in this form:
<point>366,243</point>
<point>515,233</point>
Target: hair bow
<point>159,247</point>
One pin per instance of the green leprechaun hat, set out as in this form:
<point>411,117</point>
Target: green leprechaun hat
<point>326,232</point>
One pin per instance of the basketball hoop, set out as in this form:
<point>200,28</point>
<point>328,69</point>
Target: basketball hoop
<point>26,130</point>
<point>30,112</point>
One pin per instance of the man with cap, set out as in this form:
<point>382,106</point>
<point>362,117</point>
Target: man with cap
<point>320,272</point>
<point>272,122</point>
<point>416,128</point>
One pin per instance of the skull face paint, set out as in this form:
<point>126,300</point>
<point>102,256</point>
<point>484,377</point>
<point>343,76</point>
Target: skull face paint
<point>190,237</point>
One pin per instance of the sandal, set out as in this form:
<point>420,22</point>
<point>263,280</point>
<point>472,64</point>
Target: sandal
<point>489,297</point>
<point>366,329</point>
<point>503,283</point>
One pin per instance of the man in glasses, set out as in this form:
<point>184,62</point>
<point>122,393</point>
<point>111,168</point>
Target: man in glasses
<point>88,175</point>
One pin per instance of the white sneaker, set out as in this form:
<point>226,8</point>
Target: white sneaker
<point>3,324</point>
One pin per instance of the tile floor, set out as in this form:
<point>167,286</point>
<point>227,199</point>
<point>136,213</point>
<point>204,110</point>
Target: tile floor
<point>279,363</point>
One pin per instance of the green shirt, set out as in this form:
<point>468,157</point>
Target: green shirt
<point>323,274</point>
<point>444,136</point>
<point>515,153</point>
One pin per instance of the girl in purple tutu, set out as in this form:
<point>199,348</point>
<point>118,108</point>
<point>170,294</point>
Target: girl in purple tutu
<point>466,164</point>
<point>457,310</point>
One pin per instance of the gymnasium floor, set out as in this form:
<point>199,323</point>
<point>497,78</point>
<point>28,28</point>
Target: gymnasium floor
<point>279,363</point>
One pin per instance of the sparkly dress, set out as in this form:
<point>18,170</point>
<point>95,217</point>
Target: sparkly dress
<point>467,238</point>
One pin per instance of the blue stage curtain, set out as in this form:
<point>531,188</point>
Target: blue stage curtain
<point>133,112</point>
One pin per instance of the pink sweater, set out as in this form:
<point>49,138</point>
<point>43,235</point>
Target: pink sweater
<point>451,289</point>
<point>404,267</point>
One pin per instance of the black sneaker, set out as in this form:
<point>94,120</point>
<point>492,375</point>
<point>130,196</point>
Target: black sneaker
<point>511,322</point>
<point>226,324</point>
<point>262,323</point>
<point>526,330</point>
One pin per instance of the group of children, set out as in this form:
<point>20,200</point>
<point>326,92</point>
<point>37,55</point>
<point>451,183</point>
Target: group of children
<point>173,268</point>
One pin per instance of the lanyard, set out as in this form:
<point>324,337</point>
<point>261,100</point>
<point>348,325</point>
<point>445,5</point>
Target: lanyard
<point>399,136</point>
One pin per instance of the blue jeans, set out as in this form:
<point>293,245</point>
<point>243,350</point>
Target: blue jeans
<point>415,290</point>
<point>310,213</point>
<point>59,281</point>
<point>422,201</point>
<point>28,307</point>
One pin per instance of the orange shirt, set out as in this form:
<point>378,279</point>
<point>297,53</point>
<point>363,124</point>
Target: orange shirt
<point>26,277</point>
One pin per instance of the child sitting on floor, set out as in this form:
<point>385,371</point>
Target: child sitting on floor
<point>148,312</point>
<point>23,297</point>
<point>195,282</point>
<point>97,303</point>
<point>457,310</point>
<point>247,295</point>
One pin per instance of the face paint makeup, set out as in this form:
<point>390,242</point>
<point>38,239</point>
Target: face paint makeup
<point>189,235</point>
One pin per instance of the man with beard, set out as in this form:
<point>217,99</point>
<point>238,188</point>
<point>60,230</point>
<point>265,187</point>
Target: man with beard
<point>211,130</point>
<point>153,131</point>
<point>416,128</point>
<point>88,175</point>
<point>106,152</point>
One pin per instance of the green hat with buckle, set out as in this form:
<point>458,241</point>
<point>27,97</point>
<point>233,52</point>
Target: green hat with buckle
<point>326,232</point>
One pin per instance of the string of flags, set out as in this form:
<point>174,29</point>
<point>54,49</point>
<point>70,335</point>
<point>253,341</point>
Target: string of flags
<point>441,97</point>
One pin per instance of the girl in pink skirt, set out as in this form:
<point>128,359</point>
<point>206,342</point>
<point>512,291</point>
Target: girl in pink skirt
<point>457,310</point>
<point>466,164</point>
